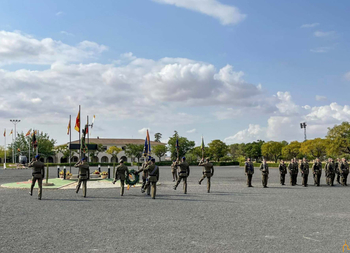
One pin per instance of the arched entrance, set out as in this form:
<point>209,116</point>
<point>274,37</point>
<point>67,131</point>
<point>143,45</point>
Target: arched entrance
<point>50,159</point>
<point>64,160</point>
<point>104,159</point>
<point>124,158</point>
<point>74,159</point>
<point>114,160</point>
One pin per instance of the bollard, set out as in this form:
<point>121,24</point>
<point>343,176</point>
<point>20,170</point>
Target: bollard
<point>47,173</point>
<point>99,168</point>
<point>113,170</point>
<point>58,171</point>
<point>109,172</point>
<point>64,172</point>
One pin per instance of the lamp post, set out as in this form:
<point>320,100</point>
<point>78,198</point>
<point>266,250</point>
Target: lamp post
<point>14,122</point>
<point>303,126</point>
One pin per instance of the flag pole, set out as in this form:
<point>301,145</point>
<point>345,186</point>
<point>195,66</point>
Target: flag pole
<point>79,131</point>
<point>13,154</point>
<point>87,118</point>
<point>70,142</point>
<point>37,144</point>
<point>5,150</point>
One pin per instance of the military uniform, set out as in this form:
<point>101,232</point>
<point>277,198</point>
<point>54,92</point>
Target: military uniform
<point>296,169</point>
<point>144,176</point>
<point>336,168</point>
<point>84,176</point>
<point>38,174</point>
<point>174,171</point>
<point>184,172</point>
<point>283,171</point>
<point>291,173</point>
<point>344,172</point>
<point>208,172</point>
<point>317,171</point>
<point>304,171</point>
<point>330,173</point>
<point>249,171</point>
<point>151,182</point>
<point>264,168</point>
<point>121,173</point>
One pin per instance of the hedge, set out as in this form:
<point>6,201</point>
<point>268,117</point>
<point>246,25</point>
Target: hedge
<point>272,165</point>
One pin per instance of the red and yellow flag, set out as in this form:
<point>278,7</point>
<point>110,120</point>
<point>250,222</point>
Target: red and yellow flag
<point>28,133</point>
<point>5,132</point>
<point>68,128</point>
<point>11,132</point>
<point>77,123</point>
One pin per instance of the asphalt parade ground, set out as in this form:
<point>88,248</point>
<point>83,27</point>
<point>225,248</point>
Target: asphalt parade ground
<point>232,218</point>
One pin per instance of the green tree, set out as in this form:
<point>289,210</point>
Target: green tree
<point>184,145</point>
<point>134,150</point>
<point>253,149</point>
<point>160,151</point>
<point>218,149</point>
<point>157,137</point>
<point>114,151</point>
<point>93,153</point>
<point>272,149</point>
<point>316,148</point>
<point>338,139</point>
<point>291,150</point>
<point>236,150</point>
<point>197,152</point>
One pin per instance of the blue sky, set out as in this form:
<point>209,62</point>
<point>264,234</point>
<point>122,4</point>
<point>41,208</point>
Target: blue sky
<point>274,57</point>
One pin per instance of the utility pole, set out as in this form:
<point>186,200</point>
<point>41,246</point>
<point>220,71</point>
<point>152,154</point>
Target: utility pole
<point>303,126</point>
<point>15,122</point>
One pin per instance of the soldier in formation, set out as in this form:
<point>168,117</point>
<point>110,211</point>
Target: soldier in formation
<point>38,174</point>
<point>264,167</point>
<point>144,175</point>
<point>153,176</point>
<point>249,171</point>
<point>317,171</point>
<point>174,171</point>
<point>208,171</point>
<point>291,172</point>
<point>283,171</point>
<point>329,172</point>
<point>304,171</point>
<point>184,172</point>
<point>296,169</point>
<point>121,173</point>
<point>84,175</point>
<point>344,172</point>
<point>336,168</point>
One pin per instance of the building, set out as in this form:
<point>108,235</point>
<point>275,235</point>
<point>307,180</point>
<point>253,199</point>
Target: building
<point>103,157</point>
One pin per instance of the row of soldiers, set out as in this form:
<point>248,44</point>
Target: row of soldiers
<point>338,169</point>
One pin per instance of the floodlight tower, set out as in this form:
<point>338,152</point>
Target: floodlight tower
<point>303,125</point>
<point>15,122</point>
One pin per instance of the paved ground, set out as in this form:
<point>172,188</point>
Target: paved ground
<point>233,218</point>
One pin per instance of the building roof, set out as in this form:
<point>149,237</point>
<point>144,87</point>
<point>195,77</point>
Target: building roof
<point>118,142</point>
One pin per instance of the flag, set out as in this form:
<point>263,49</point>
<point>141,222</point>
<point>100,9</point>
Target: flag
<point>18,150</point>
<point>145,149</point>
<point>149,143</point>
<point>68,128</point>
<point>93,120</point>
<point>177,144</point>
<point>11,132</point>
<point>77,123</point>
<point>86,129</point>
<point>202,145</point>
<point>34,142</point>
<point>28,133</point>
<point>5,132</point>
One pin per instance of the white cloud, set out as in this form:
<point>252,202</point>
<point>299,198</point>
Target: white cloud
<point>16,47</point>
<point>60,13</point>
<point>310,25</point>
<point>253,133</point>
<point>320,98</point>
<point>320,50</point>
<point>227,14</point>
<point>67,33</point>
<point>347,76</point>
<point>286,106</point>
<point>192,131</point>
<point>143,131</point>
<point>36,100</point>
<point>323,34</point>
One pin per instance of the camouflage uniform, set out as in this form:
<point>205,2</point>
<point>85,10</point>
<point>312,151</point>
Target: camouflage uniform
<point>317,171</point>
<point>330,173</point>
<point>38,173</point>
<point>249,171</point>
<point>336,167</point>
<point>304,171</point>
<point>208,172</point>
<point>184,172</point>
<point>84,176</point>
<point>283,171</point>
<point>153,177</point>
<point>121,173</point>
<point>296,170</point>
<point>344,171</point>
<point>144,176</point>
<point>264,168</point>
<point>291,173</point>
<point>174,171</point>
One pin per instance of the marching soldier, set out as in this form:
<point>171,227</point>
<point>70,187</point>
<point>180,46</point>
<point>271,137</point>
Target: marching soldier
<point>121,173</point>
<point>296,169</point>
<point>336,167</point>
<point>329,172</point>
<point>184,172</point>
<point>264,168</point>
<point>291,172</point>
<point>208,171</point>
<point>283,171</point>
<point>249,171</point>
<point>84,175</point>
<point>344,172</point>
<point>304,171</point>
<point>317,171</point>
<point>153,176</point>
<point>144,174</point>
<point>38,173</point>
<point>174,171</point>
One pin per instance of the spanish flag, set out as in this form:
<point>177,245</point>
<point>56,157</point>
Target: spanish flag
<point>11,132</point>
<point>77,123</point>
<point>68,128</point>
<point>5,132</point>
<point>28,133</point>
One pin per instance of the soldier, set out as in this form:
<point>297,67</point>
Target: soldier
<point>144,174</point>
<point>153,176</point>
<point>291,172</point>
<point>38,173</point>
<point>184,172</point>
<point>174,171</point>
<point>317,171</point>
<point>84,175</point>
<point>336,167</point>
<point>304,171</point>
<point>208,171</point>
<point>264,168</point>
<point>296,169</point>
<point>249,171</point>
<point>121,173</point>
<point>283,171</point>
<point>329,172</point>
<point>344,172</point>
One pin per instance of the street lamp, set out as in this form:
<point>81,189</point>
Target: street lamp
<point>303,125</point>
<point>14,122</point>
